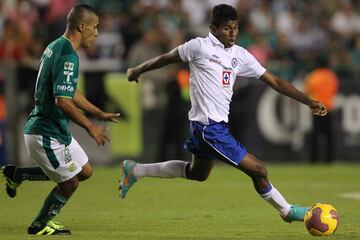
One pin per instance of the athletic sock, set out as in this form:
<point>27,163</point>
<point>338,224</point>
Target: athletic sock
<point>276,199</point>
<point>52,206</point>
<point>30,173</point>
<point>169,169</point>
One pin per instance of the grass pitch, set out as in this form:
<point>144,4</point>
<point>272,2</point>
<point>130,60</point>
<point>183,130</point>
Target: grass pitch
<point>225,207</point>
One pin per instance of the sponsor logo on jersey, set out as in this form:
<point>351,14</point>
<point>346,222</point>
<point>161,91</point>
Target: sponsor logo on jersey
<point>68,70</point>
<point>226,75</point>
<point>215,61</point>
<point>234,62</point>
<point>64,88</point>
<point>68,74</point>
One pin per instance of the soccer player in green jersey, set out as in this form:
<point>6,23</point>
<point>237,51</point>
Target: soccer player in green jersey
<point>47,137</point>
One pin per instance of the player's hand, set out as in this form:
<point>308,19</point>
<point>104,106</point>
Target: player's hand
<point>318,108</point>
<point>109,117</point>
<point>99,134</point>
<point>133,74</point>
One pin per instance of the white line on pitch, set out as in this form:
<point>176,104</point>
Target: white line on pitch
<point>350,195</point>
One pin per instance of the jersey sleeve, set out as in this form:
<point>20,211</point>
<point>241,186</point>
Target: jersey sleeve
<point>190,50</point>
<point>65,76</point>
<point>250,67</point>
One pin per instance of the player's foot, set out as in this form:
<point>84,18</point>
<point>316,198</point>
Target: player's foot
<point>8,173</point>
<point>55,225</point>
<point>51,228</point>
<point>296,213</point>
<point>128,178</point>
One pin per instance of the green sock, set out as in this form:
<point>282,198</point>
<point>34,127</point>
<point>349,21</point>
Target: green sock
<point>52,205</point>
<point>30,173</point>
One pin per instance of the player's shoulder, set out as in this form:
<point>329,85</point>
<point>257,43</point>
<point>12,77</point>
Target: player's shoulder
<point>240,50</point>
<point>196,41</point>
<point>242,53</point>
<point>61,47</point>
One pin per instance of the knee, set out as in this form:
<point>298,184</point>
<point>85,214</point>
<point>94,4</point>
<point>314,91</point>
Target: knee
<point>260,171</point>
<point>85,173</point>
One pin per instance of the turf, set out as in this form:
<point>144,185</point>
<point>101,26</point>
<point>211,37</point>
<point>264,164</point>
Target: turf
<point>224,207</point>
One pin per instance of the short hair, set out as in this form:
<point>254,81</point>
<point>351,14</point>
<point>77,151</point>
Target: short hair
<point>78,14</point>
<point>223,13</point>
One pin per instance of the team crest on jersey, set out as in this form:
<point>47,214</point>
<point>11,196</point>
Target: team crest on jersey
<point>226,75</point>
<point>69,66</point>
<point>234,62</point>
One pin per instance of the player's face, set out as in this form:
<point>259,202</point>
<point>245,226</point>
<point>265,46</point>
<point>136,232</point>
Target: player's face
<point>90,32</point>
<point>226,32</point>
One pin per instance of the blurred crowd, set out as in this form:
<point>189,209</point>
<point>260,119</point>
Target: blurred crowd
<point>286,36</point>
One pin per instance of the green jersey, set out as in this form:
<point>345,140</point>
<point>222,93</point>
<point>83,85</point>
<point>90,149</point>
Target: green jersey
<point>57,77</point>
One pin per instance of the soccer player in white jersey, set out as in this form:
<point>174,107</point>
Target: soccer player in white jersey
<point>214,63</point>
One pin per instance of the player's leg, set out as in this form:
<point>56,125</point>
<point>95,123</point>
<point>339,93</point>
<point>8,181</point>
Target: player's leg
<point>66,165</point>
<point>57,198</point>
<point>52,205</point>
<point>14,176</point>
<point>256,169</point>
<point>86,172</point>
<point>199,169</point>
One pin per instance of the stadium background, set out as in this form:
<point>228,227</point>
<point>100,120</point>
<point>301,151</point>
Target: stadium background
<point>286,36</point>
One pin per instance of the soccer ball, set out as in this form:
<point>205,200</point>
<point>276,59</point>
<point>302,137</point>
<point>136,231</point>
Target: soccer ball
<point>321,220</point>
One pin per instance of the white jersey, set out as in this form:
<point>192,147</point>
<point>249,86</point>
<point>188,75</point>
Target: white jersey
<point>213,70</point>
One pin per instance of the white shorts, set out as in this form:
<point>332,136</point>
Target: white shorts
<point>58,161</point>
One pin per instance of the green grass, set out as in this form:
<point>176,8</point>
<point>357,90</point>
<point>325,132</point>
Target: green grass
<point>224,207</point>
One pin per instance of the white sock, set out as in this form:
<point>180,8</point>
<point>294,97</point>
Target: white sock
<point>276,199</point>
<point>169,169</point>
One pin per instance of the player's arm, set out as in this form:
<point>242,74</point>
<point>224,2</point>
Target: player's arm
<point>84,104</point>
<point>154,63</point>
<point>68,106</point>
<point>284,87</point>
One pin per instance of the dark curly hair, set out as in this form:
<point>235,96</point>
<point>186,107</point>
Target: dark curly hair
<point>222,13</point>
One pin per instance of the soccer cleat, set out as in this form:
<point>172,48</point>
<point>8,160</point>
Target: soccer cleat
<point>51,228</point>
<point>55,225</point>
<point>8,173</point>
<point>128,178</point>
<point>296,213</point>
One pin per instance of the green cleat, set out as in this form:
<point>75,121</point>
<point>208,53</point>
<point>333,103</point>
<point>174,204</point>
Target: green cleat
<point>128,178</point>
<point>51,228</point>
<point>8,172</point>
<point>296,213</point>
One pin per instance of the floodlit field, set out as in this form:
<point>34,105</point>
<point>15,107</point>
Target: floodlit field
<point>224,207</point>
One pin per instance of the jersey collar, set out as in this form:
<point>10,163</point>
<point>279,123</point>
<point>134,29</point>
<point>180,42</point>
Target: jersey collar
<point>216,42</point>
<point>66,38</point>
